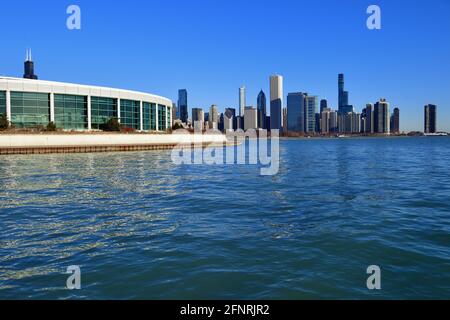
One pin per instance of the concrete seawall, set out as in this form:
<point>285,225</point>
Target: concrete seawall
<point>82,143</point>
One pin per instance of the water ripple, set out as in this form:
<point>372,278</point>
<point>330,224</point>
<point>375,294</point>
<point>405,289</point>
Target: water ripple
<point>142,228</point>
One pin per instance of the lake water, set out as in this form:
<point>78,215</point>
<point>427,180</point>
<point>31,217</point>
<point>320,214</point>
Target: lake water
<point>141,227</point>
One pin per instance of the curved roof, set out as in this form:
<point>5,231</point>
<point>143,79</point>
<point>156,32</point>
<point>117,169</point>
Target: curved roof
<point>27,85</point>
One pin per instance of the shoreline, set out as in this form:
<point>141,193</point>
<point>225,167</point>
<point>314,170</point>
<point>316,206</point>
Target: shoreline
<point>101,142</point>
<point>93,143</point>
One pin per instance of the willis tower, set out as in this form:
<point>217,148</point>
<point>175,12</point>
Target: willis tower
<point>29,67</point>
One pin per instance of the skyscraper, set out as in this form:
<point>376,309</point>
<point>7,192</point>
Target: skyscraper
<point>213,117</point>
<point>221,125</point>
<point>285,117</point>
<point>198,118</point>
<point>29,67</point>
<point>242,102</point>
<point>296,112</point>
<point>276,102</point>
<point>229,117</point>
<point>356,122</point>
<point>262,110</point>
<point>349,122</point>
<point>325,121</point>
<point>183,105</point>
<point>395,127</point>
<point>231,114</point>
<point>430,118</point>
<point>342,97</point>
<point>369,118</point>
<point>317,129</point>
<point>312,104</point>
<point>343,106</point>
<point>323,105</point>
<point>333,121</point>
<point>250,118</point>
<point>174,112</point>
<point>381,117</point>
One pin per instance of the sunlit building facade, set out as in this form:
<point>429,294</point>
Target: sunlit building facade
<point>31,103</point>
<point>276,102</point>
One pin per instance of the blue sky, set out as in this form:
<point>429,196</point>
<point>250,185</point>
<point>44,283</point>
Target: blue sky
<point>211,47</point>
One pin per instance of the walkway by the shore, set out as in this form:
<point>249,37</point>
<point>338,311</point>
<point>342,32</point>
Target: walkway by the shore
<point>83,143</point>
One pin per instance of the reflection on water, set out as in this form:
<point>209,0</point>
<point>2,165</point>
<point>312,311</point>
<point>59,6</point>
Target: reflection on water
<point>140,227</point>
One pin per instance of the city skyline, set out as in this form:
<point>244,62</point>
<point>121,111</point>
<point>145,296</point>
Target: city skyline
<point>302,115</point>
<point>407,74</point>
<point>305,116</point>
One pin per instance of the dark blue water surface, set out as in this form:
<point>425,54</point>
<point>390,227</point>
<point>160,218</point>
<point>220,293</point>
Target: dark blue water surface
<point>141,227</point>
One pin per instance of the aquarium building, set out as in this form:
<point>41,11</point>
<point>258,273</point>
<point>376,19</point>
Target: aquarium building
<point>31,103</point>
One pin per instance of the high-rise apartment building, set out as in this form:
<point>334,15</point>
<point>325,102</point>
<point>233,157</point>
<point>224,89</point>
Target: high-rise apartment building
<point>395,123</point>
<point>381,117</point>
<point>325,121</point>
<point>368,114</point>
<point>213,117</point>
<point>349,122</point>
<point>250,118</point>
<point>276,102</point>
<point>333,122</point>
<point>430,125</point>
<point>198,118</point>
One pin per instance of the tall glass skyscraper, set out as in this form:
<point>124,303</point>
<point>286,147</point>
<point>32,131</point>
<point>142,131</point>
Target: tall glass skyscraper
<point>369,127</point>
<point>341,93</point>
<point>312,105</point>
<point>262,110</point>
<point>430,118</point>
<point>296,112</point>
<point>381,117</point>
<point>183,105</point>
<point>344,107</point>
<point>395,126</point>
<point>276,102</point>
<point>323,105</point>
<point>242,101</point>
